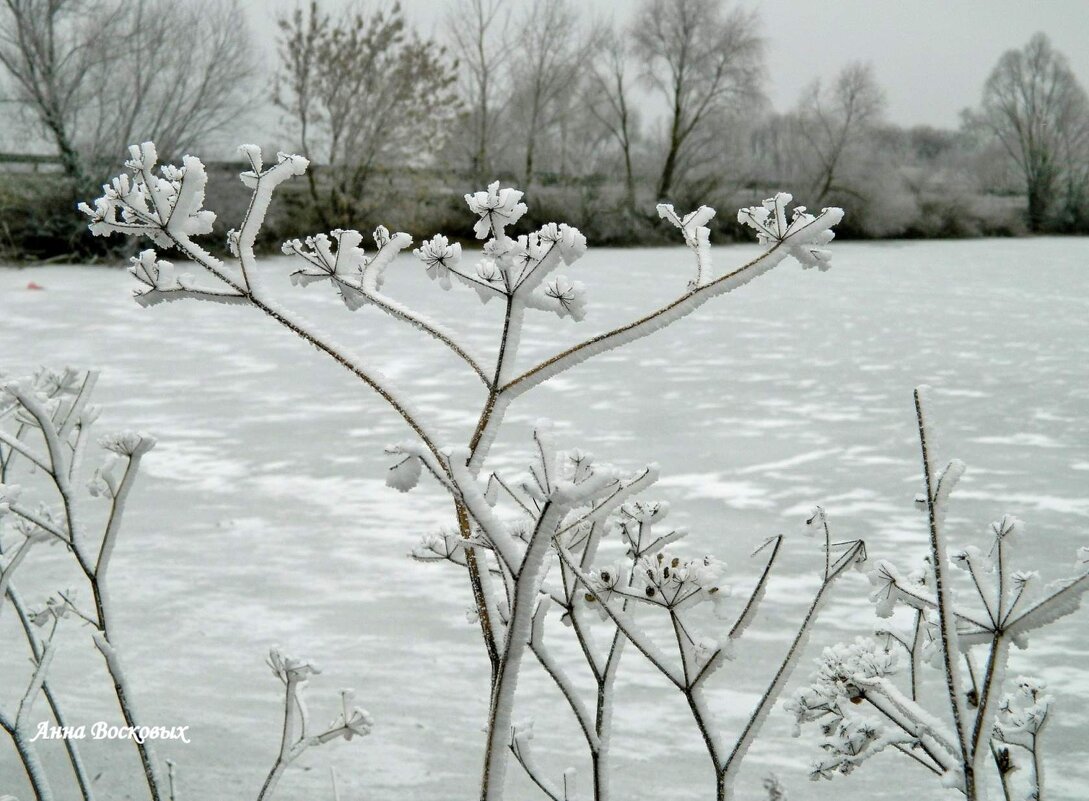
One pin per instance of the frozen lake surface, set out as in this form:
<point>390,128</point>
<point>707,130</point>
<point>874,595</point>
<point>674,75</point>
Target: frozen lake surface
<point>262,516</point>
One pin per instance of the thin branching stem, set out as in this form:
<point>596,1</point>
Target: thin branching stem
<point>286,742</point>
<point>71,746</point>
<point>946,615</point>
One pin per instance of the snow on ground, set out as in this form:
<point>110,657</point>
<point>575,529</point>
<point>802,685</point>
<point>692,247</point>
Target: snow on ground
<point>262,517</point>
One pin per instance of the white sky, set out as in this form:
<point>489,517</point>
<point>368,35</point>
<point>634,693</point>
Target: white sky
<point>931,56</point>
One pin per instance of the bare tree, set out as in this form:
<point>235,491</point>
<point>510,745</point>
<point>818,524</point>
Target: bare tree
<point>479,33</point>
<point>204,63</point>
<point>609,101</point>
<point>45,46</point>
<point>84,71</point>
<point>706,63</point>
<point>835,119</point>
<point>363,91</point>
<point>548,66</point>
<point>1034,105</point>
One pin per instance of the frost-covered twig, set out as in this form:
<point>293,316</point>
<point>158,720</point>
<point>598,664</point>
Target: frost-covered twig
<point>938,488</point>
<point>18,727</point>
<point>172,780</point>
<point>55,386</point>
<point>676,586</point>
<point>358,279</point>
<point>296,736</point>
<point>37,650</point>
<point>559,494</point>
<point>168,210</point>
<point>853,553</point>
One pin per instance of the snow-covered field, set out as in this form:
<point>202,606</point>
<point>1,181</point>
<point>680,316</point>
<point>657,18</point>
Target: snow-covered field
<point>262,516</point>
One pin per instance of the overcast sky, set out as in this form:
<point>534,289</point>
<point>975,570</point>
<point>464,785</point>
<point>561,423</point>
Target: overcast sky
<point>931,56</point>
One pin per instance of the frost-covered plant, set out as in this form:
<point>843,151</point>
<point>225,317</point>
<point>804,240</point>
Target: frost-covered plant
<point>351,721</point>
<point>966,635</point>
<point>520,273</point>
<point>650,578</point>
<point>45,424</point>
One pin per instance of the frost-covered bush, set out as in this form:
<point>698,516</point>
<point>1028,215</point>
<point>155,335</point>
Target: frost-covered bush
<point>561,515</point>
<point>45,431</point>
<point>966,636</point>
<point>45,424</point>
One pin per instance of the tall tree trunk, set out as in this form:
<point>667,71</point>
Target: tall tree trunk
<point>665,183</point>
<point>70,160</point>
<point>1039,197</point>
<point>481,158</point>
<point>629,178</point>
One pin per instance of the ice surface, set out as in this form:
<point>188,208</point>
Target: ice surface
<point>262,517</point>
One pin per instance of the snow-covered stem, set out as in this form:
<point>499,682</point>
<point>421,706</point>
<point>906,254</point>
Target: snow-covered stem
<point>596,729</point>
<point>528,576</point>
<point>694,669</point>
<point>113,528</point>
<point>35,519</point>
<point>296,736</point>
<point>937,493</point>
<point>28,757</point>
<point>366,287</point>
<point>679,307</point>
<point>559,676</point>
<point>18,728</point>
<point>128,712</point>
<point>992,723</point>
<point>308,332</point>
<point>855,553</point>
<point>626,623</point>
<point>57,426</point>
<point>988,700</point>
<point>284,755</point>
<point>37,650</point>
<point>172,780</point>
<point>501,708</point>
<point>58,469</point>
<point>34,642</point>
<point>748,612</point>
<point>40,461</point>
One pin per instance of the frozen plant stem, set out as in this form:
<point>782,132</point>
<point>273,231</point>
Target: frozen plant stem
<point>60,462</point>
<point>284,757</point>
<point>936,496</point>
<point>20,731</point>
<point>34,643</point>
<point>71,745</point>
<point>295,737</point>
<point>694,671</point>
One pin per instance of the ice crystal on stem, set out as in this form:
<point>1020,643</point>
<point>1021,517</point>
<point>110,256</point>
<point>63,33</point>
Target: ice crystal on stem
<point>804,237</point>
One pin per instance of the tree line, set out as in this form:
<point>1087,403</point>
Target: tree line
<point>601,119</point>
